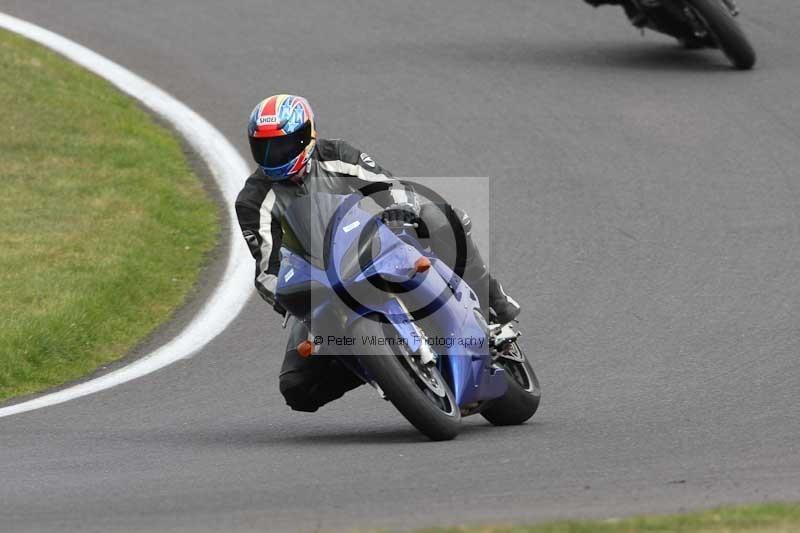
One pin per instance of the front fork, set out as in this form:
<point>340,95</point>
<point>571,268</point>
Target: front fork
<point>698,26</point>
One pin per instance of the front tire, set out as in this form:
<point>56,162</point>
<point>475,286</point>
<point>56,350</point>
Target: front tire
<point>727,32</point>
<point>437,416</point>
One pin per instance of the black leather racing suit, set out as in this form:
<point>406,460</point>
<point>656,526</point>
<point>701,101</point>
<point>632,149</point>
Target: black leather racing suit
<point>338,168</point>
<point>630,8</point>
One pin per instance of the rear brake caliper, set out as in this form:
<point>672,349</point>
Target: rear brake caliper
<point>501,338</point>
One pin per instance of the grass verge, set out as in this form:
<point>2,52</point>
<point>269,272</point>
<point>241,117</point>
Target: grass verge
<point>103,226</point>
<point>766,518</point>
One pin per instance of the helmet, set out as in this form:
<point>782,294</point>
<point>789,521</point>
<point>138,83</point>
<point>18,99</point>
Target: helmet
<point>282,135</point>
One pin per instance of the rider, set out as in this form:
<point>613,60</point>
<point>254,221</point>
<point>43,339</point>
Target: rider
<point>293,162</point>
<point>630,8</point>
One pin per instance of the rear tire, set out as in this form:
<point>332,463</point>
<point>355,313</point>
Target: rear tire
<point>727,32</point>
<point>405,391</point>
<point>522,398</point>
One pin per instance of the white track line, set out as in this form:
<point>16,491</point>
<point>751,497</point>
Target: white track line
<point>229,171</point>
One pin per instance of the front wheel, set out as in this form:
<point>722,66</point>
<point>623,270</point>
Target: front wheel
<point>522,398</point>
<point>726,31</point>
<point>417,390</point>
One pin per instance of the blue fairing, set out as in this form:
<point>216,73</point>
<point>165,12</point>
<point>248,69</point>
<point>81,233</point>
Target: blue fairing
<point>465,364</point>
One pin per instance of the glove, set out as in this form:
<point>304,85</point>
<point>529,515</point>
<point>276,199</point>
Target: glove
<point>268,293</point>
<point>404,212</point>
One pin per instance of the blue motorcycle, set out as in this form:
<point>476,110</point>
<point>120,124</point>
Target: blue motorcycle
<point>373,295</point>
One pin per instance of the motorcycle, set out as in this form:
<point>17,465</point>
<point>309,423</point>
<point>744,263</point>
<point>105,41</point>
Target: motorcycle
<point>399,318</point>
<point>696,24</point>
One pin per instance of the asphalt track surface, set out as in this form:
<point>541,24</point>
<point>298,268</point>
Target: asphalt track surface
<point>644,212</point>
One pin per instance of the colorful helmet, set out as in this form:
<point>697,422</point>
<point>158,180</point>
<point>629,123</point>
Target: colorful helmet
<point>282,135</point>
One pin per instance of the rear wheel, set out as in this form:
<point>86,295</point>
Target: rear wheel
<point>522,398</point>
<point>726,31</point>
<point>416,389</point>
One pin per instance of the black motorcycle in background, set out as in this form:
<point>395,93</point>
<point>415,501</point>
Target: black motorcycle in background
<point>696,24</point>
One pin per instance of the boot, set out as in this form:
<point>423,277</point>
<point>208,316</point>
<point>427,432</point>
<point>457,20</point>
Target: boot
<point>504,306</point>
<point>497,306</point>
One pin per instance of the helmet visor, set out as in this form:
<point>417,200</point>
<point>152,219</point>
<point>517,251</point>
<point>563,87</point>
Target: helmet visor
<point>273,152</point>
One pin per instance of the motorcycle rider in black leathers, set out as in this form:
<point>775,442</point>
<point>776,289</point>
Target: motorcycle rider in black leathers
<point>293,162</point>
<point>630,9</point>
